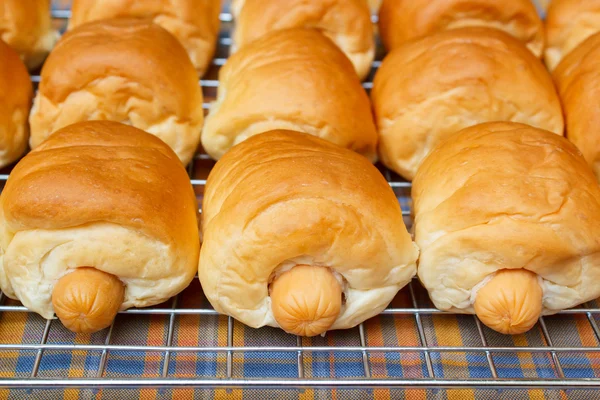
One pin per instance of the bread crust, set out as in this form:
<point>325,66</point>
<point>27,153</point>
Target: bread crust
<point>294,79</point>
<point>16,93</point>
<point>195,23</point>
<point>282,199</point>
<point>346,22</point>
<point>507,196</point>
<point>431,88</point>
<point>404,20</point>
<point>26,26</point>
<point>104,195</point>
<point>123,70</point>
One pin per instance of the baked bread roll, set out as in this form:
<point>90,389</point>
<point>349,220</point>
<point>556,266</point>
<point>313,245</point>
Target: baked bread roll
<point>290,79</point>
<point>26,26</point>
<point>124,70</point>
<point>433,87</point>
<point>578,80</point>
<point>16,93</point>
<point>301,234</point>
<point>100,217</point>
<point>346,22</point>
<point>507,218</point>
<point>194,22</point>
<point>403,20</point>
<point>568,24</point>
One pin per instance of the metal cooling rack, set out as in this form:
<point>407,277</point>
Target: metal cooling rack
<point>362,350</point>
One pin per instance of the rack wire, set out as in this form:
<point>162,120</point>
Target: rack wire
<point>356,346</point>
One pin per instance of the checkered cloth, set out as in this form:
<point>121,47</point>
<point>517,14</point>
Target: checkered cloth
<point>386,330</point>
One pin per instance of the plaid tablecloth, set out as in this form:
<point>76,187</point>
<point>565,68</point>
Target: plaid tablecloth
<point>197,330</point>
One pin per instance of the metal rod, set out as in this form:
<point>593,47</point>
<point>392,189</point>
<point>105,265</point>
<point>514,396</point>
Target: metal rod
<point>202,182</point>
<point>61,14</point>
<point>593,323</point>
<point>422,338</point>
<point>210,311</point>
<point>66,14</point>
<point>209,83</point>
<point>226,17</point>
<point>104,355</point>
<point>38,356</point>
<point>213,83</point>
<point>170,339</point>
<point>488,355</point>
<point>230,345</point>
<point>555,359</point>
<point>202,156</point>
<point>365,356</point>
<point>300,358</point>
<point>586,383</point>
<point>294,349</point>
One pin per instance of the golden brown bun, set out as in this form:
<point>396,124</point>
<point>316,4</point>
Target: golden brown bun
<point>568,24</point>
<point>578,80</point>
<point>104,195</point>
<point>403,20</point>
<point>433,87</point>
<point>16,93</point>
<point>346,22</point>
<point>87,300</point>
<point>506,196</point>
<point>285,199</point>
<point>124,70</point>
<point>290,79</point>
<point>25,25</point>
<point>194,22</point>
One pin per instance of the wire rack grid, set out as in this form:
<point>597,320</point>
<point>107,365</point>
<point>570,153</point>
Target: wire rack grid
<point>365,351</point>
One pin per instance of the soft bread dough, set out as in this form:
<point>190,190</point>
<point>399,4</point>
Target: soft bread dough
<point>194,22</point>
<point>26,26</point>
<point>578,80</point>
<point>568,24</point>
<point>124,70</point>
<point>101,195</point>
<point>346,22</point>
<point>403,20</point>
<point>16,93</point>
<point>431,88</point>
<point>35,259</point>
<point>284,198</point>
<point>502,196</point>
<point>294,79</point>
